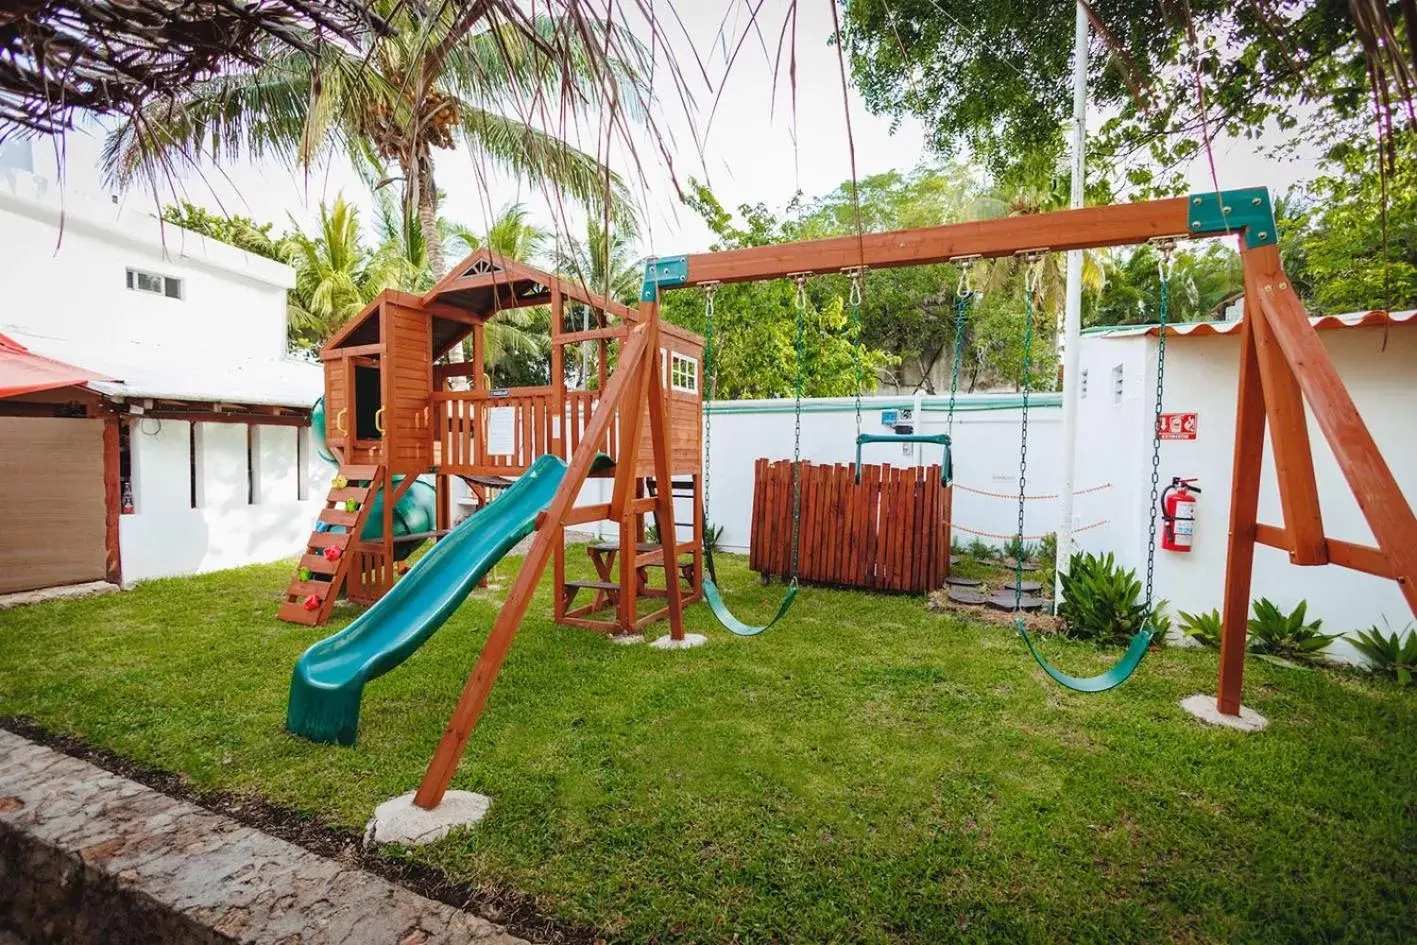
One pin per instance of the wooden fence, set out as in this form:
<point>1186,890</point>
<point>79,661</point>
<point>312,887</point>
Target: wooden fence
<point>889,532</point>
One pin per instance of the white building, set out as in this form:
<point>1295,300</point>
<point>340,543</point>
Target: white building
<point>214,461</point>
<point>1374,353</point>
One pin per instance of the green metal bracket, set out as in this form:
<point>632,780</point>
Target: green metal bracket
<point>1231,211</point>
<point>671,270</point>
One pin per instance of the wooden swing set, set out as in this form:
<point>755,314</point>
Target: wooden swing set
<point>1283,367</point>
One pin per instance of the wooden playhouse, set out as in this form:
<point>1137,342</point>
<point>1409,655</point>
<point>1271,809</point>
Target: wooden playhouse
<point>393,414</point>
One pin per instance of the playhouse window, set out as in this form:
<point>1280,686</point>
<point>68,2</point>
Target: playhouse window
<point>154,283</point>
<point>684,374</point>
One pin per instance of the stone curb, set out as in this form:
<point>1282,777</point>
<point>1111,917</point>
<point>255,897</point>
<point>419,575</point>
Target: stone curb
<point>88,856</point>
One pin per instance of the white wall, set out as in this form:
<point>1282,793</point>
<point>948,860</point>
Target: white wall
<point>166,536</point>
<point>1380,368</point>
<point>69,281</point>
<point>986,454</point>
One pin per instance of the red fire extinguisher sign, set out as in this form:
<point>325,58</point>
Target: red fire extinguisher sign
<point>1177,426</point>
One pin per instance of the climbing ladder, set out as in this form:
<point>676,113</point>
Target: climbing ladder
<point>325,564</point>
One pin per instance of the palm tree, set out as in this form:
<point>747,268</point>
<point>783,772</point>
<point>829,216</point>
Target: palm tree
<point>335,274</point>
<point>444,76</point>
<point>519,336</point>
<point>604,264</point>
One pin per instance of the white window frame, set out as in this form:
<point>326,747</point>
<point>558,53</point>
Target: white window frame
<point>691,372</point>
<point>168,283</point>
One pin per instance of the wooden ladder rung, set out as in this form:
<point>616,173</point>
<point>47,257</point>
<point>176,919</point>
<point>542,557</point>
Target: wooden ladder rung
<point>359,473</point>
<point>319,564</point>
<point>339,517</point>
<point>295,612</point>
<point>303,589</point>
<point>328,540</point>
<point>359,494</point>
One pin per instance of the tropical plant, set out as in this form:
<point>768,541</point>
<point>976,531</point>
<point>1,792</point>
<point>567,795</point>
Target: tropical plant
<point>446,74</point>
<point>1391,655</point>
<point>1204,628</point>
<point>1274,633</point>
<point>241,232</point>
<point>1102,601</point>
<point>713,537</point>
<point>335,274</point>
<point>1021,550</point>
<point>981,550</point>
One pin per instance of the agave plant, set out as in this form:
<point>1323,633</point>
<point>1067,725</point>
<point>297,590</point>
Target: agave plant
<point>1391,654</point>
<point>1274,633</point>
<point>1204,628</point>
<point>1102,601</point>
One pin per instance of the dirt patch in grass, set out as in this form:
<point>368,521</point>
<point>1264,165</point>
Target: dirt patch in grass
<point>506,907</point>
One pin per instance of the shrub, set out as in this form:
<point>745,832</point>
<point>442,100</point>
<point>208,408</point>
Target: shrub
<point>1389,655</point>
<point>652,534</point>
<point>981,550</point>
<point>1101,601</point>
<point>1020,549</point>
<point>713,534</point>
<point>1203,628</point>
<point>1160,623</point>
<point>1272,632</point>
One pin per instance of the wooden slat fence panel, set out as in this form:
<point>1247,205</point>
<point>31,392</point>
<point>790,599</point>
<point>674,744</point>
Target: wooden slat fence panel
<point>888,532</point>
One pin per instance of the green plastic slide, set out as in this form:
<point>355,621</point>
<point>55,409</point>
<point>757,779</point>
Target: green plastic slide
<point>328,682</point>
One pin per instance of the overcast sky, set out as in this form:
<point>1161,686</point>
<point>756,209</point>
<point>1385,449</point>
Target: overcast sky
<point>755,150</point>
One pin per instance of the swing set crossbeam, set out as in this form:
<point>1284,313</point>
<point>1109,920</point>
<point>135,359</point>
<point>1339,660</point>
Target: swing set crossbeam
<point>1245,212</point>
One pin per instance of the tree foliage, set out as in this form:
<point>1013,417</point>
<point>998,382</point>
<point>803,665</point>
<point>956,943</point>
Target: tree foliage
<point>993,77</point>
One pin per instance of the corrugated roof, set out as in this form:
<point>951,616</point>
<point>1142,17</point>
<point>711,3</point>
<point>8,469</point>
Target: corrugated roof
<point>148,371</point>
<point>1204,329</point>
<point>24,372</point>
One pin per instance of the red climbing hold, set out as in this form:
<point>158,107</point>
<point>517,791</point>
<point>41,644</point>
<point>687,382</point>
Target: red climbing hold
<point>332,553</point>
<point>312,602</point>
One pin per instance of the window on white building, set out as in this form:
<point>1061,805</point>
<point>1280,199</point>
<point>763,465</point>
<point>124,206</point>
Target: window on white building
<point>684,374</point>
<point>1117,384</point>
<point>155,283</point>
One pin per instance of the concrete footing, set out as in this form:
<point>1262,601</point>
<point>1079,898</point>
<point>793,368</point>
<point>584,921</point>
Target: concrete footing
<point>62,592</point>
<point>399,820</point>
<point>690,641</point>
<point>1203,707</point>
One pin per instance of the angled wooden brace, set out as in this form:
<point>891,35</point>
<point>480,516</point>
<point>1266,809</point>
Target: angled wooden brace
<point>479,685</point>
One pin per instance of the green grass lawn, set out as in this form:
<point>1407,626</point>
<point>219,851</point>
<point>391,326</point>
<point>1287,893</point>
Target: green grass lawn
<point>864,772</point>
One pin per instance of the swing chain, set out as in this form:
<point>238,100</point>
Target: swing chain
<point>1164,264</point>
<point>711,370</point>
<point>1032,276</point>
<point>964,290</point>
<point>853,298</point>
<point>801,304</point>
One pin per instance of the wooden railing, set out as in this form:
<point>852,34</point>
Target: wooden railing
<point>472,438</point>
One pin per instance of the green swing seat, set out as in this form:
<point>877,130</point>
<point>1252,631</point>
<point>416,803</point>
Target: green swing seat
<point>936,439</point>
<point>731,623</point>
<point>1111,679</point>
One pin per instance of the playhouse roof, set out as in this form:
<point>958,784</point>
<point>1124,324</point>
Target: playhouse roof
<point>473,291</point>
<point>24,372</point>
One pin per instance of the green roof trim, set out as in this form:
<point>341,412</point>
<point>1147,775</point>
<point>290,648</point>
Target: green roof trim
<point>1231,211</point>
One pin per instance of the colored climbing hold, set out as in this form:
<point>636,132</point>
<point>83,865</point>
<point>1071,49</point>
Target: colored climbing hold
<point>401,567</point>
<point>304,574</point>
<point>312,602</point>
<point>339,482</point>
<point>332,553</point>
<point>350,505</point>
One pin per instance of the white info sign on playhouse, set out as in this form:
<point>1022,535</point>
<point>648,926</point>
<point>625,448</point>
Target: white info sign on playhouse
<point>1177,426</point>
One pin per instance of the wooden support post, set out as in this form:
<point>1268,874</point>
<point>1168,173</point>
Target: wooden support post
<point>558,378</point>
<point>479,685</point>
<point>699,524</point>
<point>390,500</point>
<point>664,483</point>
<point>1385,508</point>
<point>1244,508</point>
<point>628,601</point>
<point>444,515</point>
<point>558,597</point>
<point>628,457</point>
<point>112,501</point>
<point>1288,425</point>
<point>477,380</point>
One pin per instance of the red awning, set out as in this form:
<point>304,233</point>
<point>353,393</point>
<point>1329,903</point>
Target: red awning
<point>22,372</point>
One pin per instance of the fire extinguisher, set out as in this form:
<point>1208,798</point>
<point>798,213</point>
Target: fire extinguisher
<point>1178,514</point>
